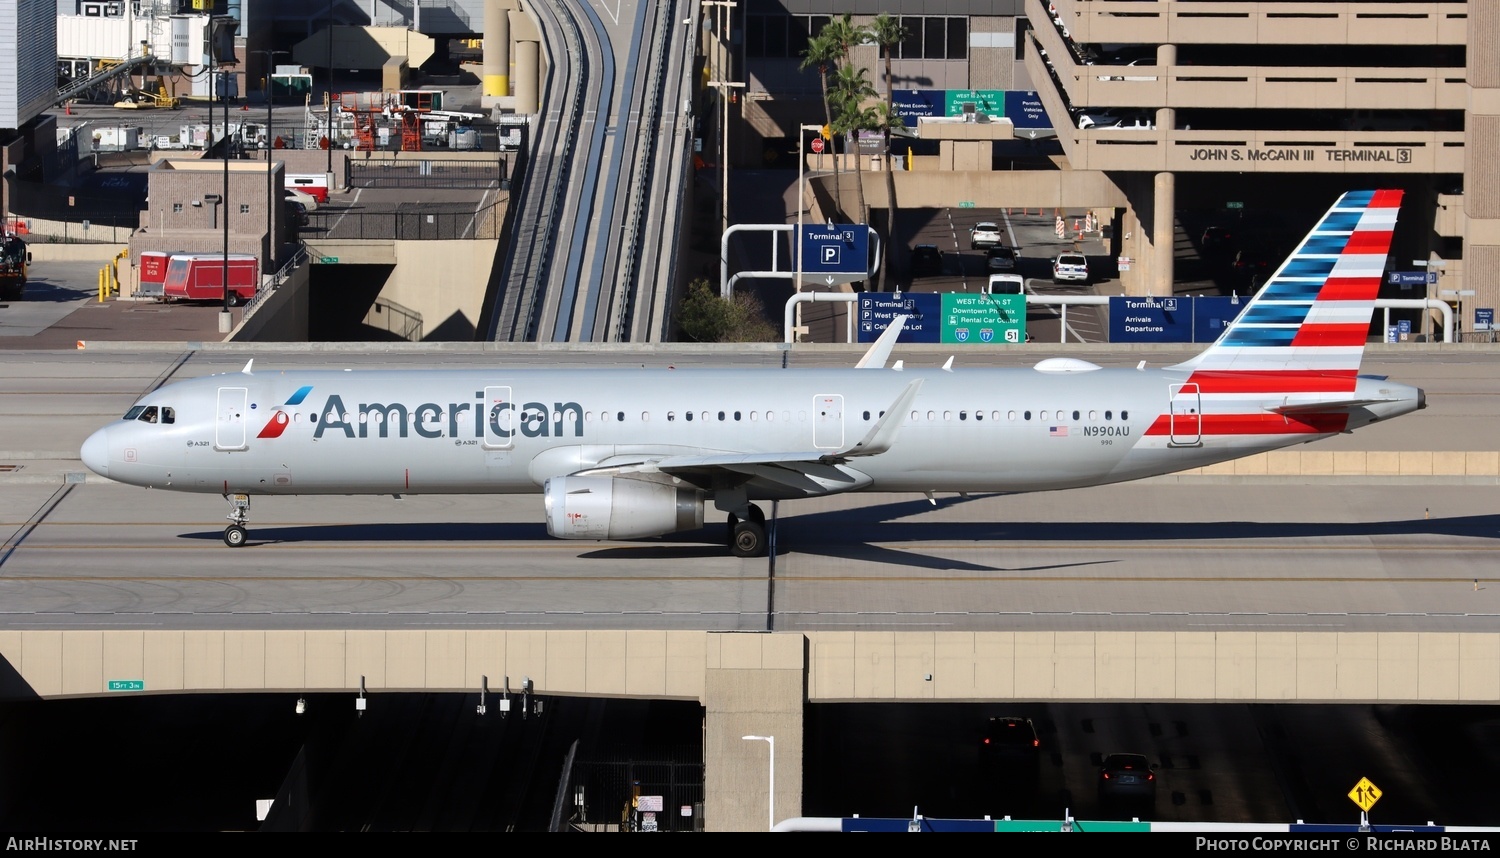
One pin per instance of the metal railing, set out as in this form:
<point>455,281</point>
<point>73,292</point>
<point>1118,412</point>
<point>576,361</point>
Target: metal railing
<point>415,222</point>
<point>789,328</point>
<point>271,282</point>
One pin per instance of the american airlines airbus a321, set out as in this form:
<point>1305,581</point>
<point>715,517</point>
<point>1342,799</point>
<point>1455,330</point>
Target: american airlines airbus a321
<point>624,454</point>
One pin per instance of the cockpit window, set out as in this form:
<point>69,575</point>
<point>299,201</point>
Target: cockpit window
<point>152,414</point>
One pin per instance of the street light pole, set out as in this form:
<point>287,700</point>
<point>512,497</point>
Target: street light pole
<point>771,800</point>
<point>271,246</point>
<point>801,207</point>
<point>724,87</point>
<point>329,135</point>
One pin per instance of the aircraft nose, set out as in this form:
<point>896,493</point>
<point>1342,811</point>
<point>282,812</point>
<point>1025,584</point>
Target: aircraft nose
<point>95,452</point>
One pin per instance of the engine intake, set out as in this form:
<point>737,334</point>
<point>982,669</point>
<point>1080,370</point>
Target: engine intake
<point>607,508</point>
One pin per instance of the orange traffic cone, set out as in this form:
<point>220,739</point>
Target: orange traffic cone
<point>68,108</point>
<point>1076,226</point>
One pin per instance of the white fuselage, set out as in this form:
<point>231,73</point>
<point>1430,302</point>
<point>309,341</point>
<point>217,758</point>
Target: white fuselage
<point>478,431</point>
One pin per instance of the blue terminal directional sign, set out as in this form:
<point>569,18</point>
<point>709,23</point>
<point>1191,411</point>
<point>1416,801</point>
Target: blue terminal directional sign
<point>835,253</point>
<point>1410,278</point>
<point>1212,314</point>
<point>924,311</point>
<point>1150,320</point>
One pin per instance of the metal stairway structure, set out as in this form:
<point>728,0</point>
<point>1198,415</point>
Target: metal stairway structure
<point>113,73</point>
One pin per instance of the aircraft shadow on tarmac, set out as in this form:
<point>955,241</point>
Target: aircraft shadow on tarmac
<point>863,533</point>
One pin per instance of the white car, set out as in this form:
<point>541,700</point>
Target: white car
<point>1128,76</point>
<point>984,235</point>
<point>307,200</point>
<point>1070,268</point>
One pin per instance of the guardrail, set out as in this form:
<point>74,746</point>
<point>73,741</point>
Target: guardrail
<point>275,281</point>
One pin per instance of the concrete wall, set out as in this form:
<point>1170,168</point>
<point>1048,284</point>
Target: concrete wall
<point>444,281</point>
<point>280,317</point>
<point>758,683</point>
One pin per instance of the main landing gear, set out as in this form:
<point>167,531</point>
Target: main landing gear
<point>235,534</point>
<point>747,536</point>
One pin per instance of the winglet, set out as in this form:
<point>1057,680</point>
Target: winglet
<point>248,364</point>
<point>881,348</point>
<point>883,433</point>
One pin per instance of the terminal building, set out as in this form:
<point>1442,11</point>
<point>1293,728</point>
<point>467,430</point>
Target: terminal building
<point>1158,107</point>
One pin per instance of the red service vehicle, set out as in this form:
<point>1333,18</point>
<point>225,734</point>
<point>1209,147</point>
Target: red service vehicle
<point>200,277</point>
<point>153,270</point>
<point>315,184</point>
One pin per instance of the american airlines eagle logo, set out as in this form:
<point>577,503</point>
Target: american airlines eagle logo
<point>279,420</point>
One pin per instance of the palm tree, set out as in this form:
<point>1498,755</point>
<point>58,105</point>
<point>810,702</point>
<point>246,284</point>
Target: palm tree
<point>824,53</point>
<point>887,32</point>
<point>852,114</point>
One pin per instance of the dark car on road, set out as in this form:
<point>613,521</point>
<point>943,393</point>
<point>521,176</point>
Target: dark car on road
<point>1010,748</point>
<point>1001,258</point>
<point>926,261</point>
<point>1127,778</point>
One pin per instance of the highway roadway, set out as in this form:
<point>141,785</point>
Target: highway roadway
<point>1174,553</point>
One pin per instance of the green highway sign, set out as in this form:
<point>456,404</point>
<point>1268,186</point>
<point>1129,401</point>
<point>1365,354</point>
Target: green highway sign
<point>127,685</point>
<point>328,260</point>
<point>966,204</point>
<point>983,319</point>
<point>1234,205</point>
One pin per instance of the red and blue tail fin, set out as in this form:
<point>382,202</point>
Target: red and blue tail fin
<point>1312,318</point>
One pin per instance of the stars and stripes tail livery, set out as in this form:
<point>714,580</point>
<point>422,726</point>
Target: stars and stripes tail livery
<point>636,453</point>
<point>1289,363</point>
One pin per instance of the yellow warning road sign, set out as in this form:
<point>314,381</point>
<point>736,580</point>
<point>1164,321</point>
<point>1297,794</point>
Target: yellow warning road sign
<point>1365,794</point>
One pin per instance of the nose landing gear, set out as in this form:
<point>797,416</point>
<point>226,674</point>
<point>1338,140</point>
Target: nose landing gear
<point>235,534</point>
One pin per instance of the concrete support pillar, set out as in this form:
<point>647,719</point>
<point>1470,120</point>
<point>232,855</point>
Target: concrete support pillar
<point>528,74</point>
<point>756,688</point>
<point>1166,117</point>
<point>496,49</point>
<point>1163,229</point>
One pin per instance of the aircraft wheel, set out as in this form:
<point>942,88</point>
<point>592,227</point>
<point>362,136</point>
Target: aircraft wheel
<point>729,527</point>
<point>234,536</point>
<point>749,539</point>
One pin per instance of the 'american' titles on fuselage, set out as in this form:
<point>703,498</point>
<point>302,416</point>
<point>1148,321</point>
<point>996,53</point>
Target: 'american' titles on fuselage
<point>490,419</point>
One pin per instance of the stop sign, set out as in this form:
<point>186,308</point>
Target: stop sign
<point>817,145</point>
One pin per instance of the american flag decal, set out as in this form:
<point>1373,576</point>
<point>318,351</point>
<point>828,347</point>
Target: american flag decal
<point>1057,431</point>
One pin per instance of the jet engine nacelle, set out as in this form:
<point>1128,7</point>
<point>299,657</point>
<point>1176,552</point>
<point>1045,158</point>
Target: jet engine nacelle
<point>607,508</point>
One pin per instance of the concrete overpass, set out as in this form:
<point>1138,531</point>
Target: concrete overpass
<point>759,683</point>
